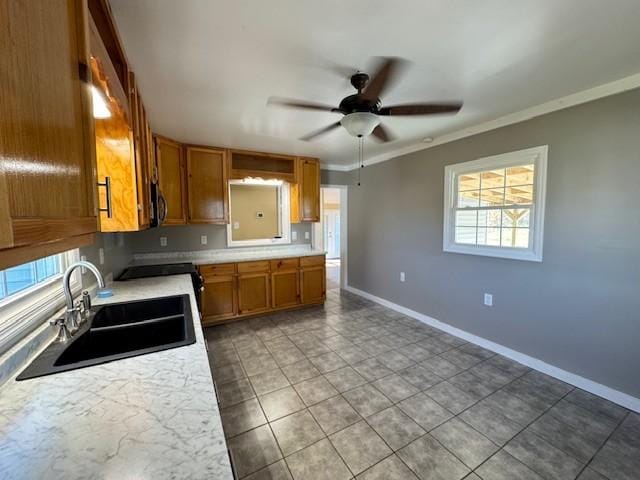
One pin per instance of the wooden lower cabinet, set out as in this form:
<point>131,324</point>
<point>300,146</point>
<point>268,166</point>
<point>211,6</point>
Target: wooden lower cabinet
<point>219,301</point>
<point>312,284</point>
<point>250,288</point>
<point>285,289</point>
<point>253,293</point>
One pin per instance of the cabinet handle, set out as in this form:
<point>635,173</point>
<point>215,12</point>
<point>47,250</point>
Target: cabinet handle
<point>107,187</point>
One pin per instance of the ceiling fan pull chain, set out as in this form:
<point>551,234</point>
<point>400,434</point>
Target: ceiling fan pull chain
<point>359,158</point>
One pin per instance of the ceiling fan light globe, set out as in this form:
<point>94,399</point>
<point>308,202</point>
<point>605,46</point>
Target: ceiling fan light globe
<point>360,124</point>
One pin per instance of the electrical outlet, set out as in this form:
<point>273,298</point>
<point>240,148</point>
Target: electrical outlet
<point>203,239</point>
<point>83,270</point>
<point>101,255</point>
<point>163,241</point>
<point>306,235</point>
<point>488,300</point>
<point>402,276</point>
<point>294,235</point>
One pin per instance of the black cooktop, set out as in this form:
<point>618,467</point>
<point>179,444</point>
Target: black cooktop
<point>144,271</point>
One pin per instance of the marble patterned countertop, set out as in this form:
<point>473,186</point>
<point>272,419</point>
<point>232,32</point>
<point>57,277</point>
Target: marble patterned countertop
<point>226,255</point>
<point>153,416</point>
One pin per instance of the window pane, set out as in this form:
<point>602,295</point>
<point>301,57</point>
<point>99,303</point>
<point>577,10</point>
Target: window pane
<point>522,238</point>
<point>469,199</point>
<point>492,197</point>
<point>466,235</point>
<point>489,236</point>
<point>469,182</point>
<point>489,218</point>
<point>516,217</point>
<point>20,277</point>
<point>520,195</point>
<point>466,218</point>
<point>16,279</point>
<point>520,175</point>
<point>492,179</point>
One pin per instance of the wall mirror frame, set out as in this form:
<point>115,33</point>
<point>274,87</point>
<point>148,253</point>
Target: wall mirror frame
<point>237,234</point>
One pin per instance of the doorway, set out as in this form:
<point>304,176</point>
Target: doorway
<point>331,233</point>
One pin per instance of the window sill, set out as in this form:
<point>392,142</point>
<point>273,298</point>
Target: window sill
<point>501,252</point>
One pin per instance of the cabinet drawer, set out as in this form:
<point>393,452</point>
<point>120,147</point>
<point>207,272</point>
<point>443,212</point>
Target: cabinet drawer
<point>284,264</point>
<point>253,267</point>
<point>312,261</point>
<point>219,269</point>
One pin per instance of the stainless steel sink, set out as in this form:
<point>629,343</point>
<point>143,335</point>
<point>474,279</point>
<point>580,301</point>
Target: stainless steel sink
<point>117,331</point>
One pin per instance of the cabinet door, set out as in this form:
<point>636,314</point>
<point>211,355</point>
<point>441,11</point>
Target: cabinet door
<point>171,177</point>
<point>143,164</point>
<point>207,177</point>
<point>219,298</point>
<point>47,149</point>
<point>285,289</point>
<point>309,185</point>
<point>253,293</point>
<point>312,285</point>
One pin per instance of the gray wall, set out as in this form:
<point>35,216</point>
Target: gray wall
<point>187,238</point>
<point>117,254</point>
<point>580,308</point>
<point>332,177</point>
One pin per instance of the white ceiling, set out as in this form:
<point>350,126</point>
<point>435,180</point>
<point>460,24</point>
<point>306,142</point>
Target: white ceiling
<point>207,67</point>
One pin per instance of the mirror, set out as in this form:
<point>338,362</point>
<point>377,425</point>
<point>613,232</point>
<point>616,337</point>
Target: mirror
<point>258,212</point>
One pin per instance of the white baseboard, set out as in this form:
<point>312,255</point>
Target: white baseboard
<point>621,398</point>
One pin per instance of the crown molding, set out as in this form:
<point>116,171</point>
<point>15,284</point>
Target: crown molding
<point>612,88</point>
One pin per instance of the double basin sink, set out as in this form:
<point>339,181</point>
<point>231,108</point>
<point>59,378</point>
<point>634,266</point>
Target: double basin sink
<point>119,330</point>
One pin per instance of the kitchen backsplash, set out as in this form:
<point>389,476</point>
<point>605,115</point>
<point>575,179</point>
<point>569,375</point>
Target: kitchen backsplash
<point>188,238</point>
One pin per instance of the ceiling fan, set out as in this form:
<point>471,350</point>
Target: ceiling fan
<point>362,110</point>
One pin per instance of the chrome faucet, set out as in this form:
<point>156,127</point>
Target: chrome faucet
<point>70,322</point>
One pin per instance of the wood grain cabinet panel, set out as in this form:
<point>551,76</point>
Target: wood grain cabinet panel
<point>171,178</point>
<point>253,293</point>
<point>207,183</point>
<point>309,181</point>
<point>285,289</point>
<point>312,285</point>
<point>218,301</point>
<point>47,150</point>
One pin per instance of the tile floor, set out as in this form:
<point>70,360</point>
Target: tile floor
<point>355,390</point>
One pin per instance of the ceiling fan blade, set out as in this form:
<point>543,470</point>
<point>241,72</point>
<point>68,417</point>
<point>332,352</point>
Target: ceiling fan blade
<point>383,134</point>
<point>389,71</point>
<point>301,104</point>
<point>421,109</point>
<point>322,131</point>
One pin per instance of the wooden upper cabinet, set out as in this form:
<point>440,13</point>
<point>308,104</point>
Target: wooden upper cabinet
<point>171,179</point>
<point>305,193</point>
<point>47,149</point>
<point>207,184</point>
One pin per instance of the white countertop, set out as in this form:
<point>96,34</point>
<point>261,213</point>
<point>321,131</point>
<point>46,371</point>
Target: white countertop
<point>153,416</point>
<point>226,255</point>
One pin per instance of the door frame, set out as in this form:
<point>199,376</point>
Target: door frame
<point>317,237</point>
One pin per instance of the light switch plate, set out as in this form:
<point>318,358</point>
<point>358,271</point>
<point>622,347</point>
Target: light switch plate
<point>306,235</point>
<point>163,241</point>
<point>236,225</point>
<point>402,278</point>
<point>488,300</point>
<point>203,239</point>
<point>294,235</point>
<point>101,255</point>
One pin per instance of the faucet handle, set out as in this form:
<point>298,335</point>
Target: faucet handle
<point>63,331</point>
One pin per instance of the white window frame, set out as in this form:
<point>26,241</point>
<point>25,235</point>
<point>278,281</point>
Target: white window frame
<point>284,211</point>
<point>537,156</point>
<point>24,311</point>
